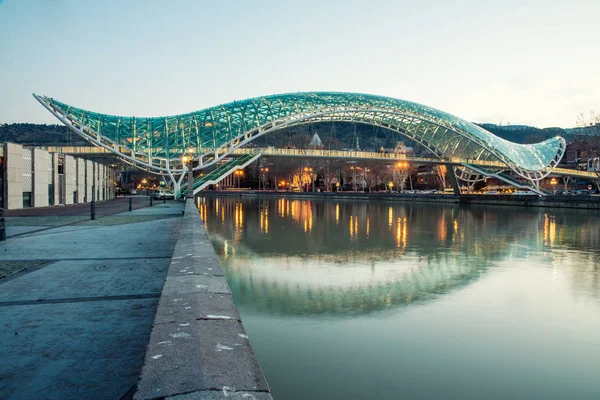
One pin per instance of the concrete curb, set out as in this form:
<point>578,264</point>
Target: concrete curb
<point>198,348</point>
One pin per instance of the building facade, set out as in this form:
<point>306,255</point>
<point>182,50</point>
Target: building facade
<point>33,177</point>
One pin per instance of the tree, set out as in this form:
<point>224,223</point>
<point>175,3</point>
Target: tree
<point>589,134</point>
<point>589,131</point>
<point>441,172</point>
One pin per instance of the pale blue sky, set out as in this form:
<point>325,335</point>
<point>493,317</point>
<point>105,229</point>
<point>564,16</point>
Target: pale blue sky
<point>516,61</point>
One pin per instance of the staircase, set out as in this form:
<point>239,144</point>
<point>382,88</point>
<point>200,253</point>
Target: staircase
<point>220,172</point>
<point>506,178</point>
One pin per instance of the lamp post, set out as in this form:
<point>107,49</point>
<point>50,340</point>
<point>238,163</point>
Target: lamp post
<point>391,185</point>
<point>553,182</point>
<point>239,173</point>
<point>188,161</point>
<point>263,172</point>
<point>309,175</point>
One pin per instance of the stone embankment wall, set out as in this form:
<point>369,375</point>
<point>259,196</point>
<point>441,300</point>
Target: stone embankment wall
<point>580,202</point>
<point>198,347</point>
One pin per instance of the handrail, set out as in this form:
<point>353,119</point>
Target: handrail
<point>340,154</point>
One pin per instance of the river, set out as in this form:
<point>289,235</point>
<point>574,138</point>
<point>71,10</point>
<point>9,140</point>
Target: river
<point>369,300</point>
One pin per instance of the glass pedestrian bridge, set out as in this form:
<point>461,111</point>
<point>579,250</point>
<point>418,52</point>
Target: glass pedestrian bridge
<point>157,144</point>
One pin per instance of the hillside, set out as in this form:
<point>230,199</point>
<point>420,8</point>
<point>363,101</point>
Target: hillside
<point>39,135</point>
<point>334,136</point>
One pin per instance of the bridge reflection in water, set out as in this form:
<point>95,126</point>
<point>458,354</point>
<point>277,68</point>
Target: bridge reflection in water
<point>288,256</point>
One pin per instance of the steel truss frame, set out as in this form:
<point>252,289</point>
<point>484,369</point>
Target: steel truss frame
<point>156,144</point>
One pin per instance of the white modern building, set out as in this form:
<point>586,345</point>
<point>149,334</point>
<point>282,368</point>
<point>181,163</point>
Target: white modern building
<point>33,177</point>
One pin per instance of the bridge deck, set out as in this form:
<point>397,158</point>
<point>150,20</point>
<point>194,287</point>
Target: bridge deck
<point>344,154</point>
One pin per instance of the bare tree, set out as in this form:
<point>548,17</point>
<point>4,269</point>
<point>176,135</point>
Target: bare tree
<point>373,173</point>
<point>589,135</point>
<point>589,131</point>
<point>442,172</point>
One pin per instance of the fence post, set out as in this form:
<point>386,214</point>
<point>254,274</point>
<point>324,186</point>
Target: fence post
<point>93,210</point>
<point>130,204</point>
<point>150,200</point>
<point>2,226</point>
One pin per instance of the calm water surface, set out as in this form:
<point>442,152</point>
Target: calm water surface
<point>359,300</point>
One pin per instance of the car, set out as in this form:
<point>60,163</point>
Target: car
<point>526,193</point>
<point>163,194</point>
<point>581,192</point>
<point>133,192</point>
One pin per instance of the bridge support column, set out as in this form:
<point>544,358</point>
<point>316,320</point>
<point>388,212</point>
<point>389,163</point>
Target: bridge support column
<point>176,189</point>
<point>453,180</point>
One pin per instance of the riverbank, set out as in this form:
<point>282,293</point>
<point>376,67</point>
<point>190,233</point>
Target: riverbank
<point>198,348</point>
<point>579,202</point>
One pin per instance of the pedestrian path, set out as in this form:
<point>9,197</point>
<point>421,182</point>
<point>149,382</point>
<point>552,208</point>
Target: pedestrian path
<point>79,297</point>
<point>26,220</point>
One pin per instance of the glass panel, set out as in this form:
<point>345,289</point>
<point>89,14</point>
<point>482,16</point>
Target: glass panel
<point>224,122</point>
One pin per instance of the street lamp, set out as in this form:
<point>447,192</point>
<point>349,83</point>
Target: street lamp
<point>188,160</point>
<point>553,182</point>
<point>353,169</point>
<point>239,173</point>
<point>309,175</point>
<point>391,185</point>
<point>263,172</point>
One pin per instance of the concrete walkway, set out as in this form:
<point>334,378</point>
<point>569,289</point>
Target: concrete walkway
<point>79,299</point>
<point>39,218</point>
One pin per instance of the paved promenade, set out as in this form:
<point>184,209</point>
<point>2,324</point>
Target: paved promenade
<point>78,297</point>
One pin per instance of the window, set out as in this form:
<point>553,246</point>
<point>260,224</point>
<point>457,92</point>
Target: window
<point>26,199</point>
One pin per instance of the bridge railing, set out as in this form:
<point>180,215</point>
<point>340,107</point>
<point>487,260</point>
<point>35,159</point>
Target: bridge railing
<point>575,172</point>
<point>75,149</point>
<point>350,154</point>
<point>371,155</point>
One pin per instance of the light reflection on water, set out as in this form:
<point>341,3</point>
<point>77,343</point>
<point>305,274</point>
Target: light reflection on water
<point>367,300</point>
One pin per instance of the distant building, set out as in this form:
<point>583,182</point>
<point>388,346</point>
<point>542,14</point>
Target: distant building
<point>315,143</point>
<point>402,149</point>
<point>33,177</point>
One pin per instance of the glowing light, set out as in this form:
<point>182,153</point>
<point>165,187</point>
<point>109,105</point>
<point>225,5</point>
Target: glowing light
<point>442,231</point>
<point>264,219</point>
<point>401,233</point>
<point>549,230</point>
<point>238,220</point>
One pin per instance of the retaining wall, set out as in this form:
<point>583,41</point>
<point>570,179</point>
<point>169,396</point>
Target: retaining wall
<point>198,348</point>
<point>580,202</point>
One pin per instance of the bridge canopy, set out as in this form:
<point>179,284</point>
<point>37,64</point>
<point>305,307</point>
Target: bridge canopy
<point>157,143</point>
